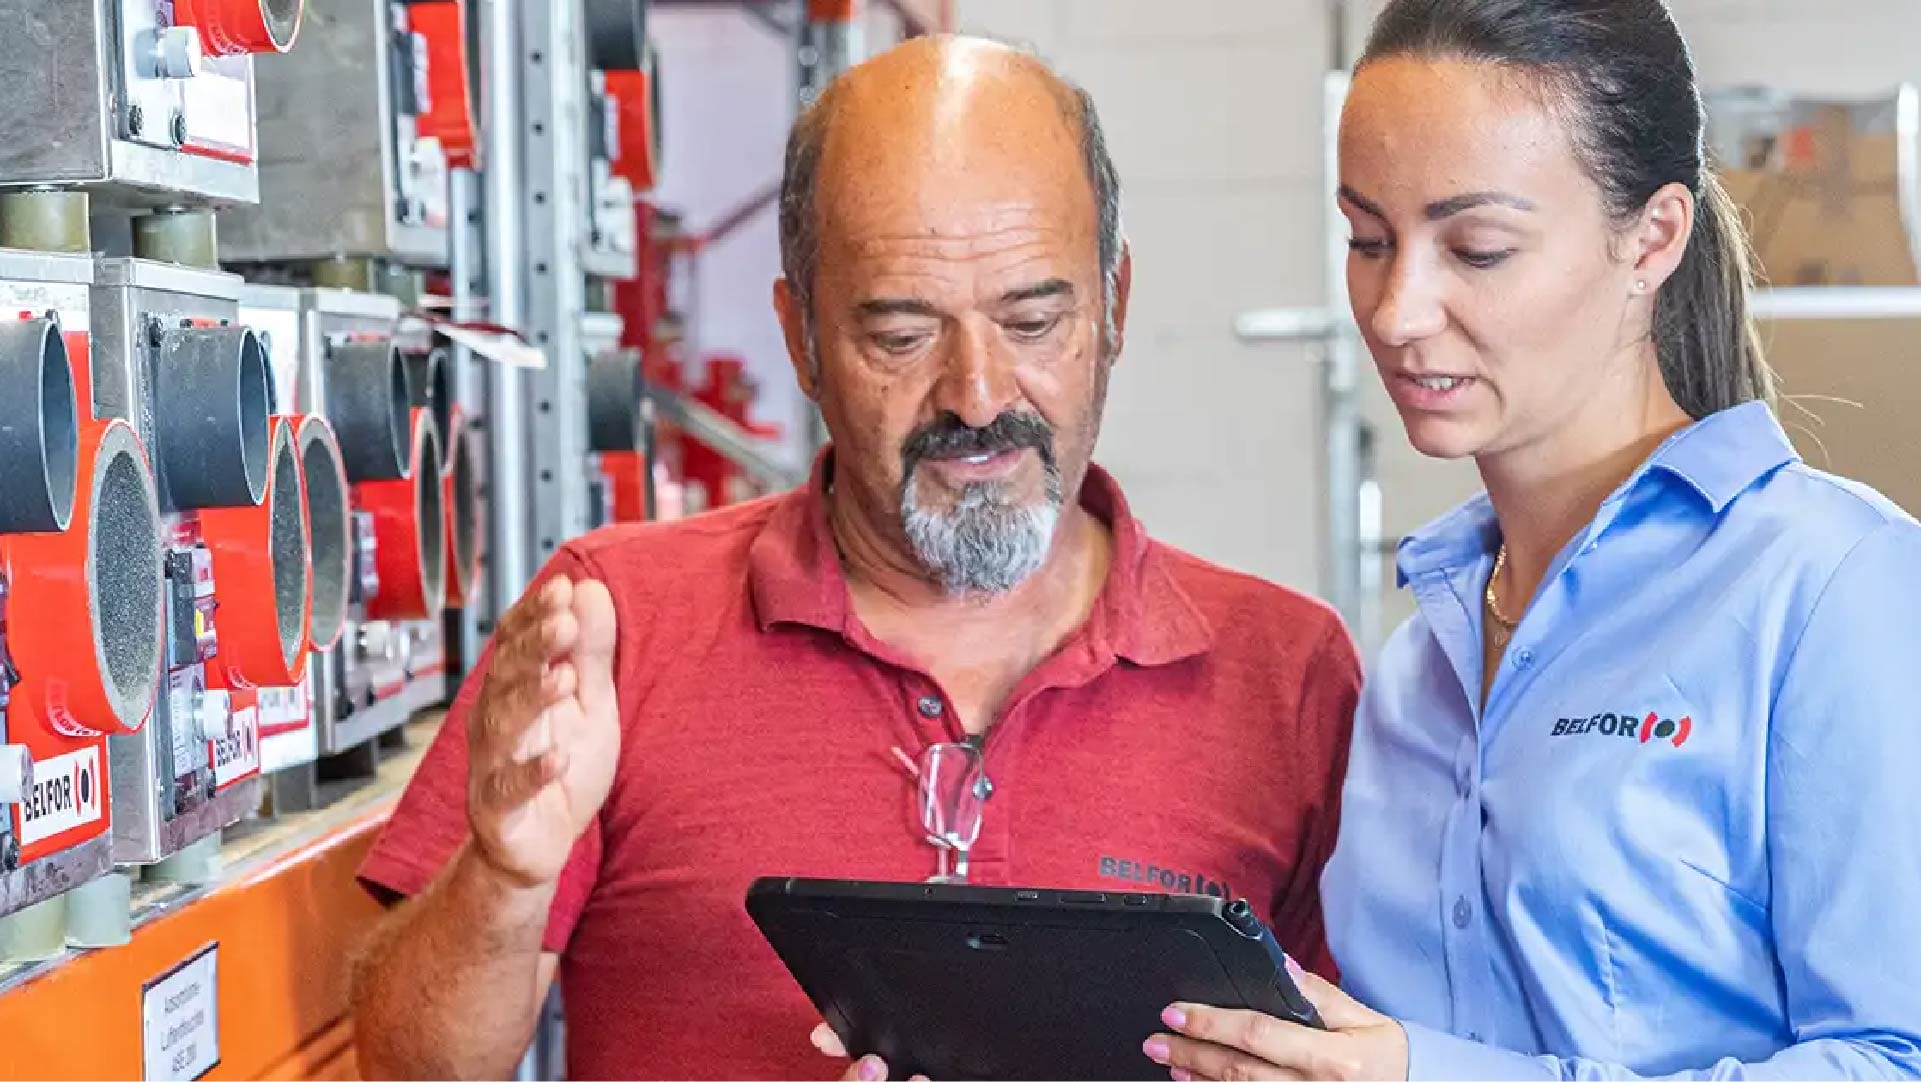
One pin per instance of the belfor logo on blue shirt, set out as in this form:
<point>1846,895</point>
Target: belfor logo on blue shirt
<point>1632,725</point>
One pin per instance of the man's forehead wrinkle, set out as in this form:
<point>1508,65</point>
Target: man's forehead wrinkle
<point>1004,240</point>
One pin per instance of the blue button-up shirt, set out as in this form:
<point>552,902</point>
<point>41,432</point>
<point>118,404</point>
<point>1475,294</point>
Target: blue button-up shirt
<point>1684,836</point>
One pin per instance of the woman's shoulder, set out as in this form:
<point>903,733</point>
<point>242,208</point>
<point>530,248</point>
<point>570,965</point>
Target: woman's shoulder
<point>1818,516</point>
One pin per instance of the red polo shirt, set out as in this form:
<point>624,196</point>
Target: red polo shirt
<point>1190,736</point>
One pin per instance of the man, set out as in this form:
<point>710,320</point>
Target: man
<point>679,709</point>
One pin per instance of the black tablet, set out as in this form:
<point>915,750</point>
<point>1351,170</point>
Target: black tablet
<point>960,982</point>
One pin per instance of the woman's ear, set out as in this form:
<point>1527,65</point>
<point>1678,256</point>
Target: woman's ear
<point>1659,240</point>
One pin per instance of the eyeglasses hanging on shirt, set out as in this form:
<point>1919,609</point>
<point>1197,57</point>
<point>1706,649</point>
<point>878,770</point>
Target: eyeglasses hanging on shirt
<point>951,784</point>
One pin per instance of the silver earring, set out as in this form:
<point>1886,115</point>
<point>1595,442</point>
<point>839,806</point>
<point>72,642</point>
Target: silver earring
<point>1640,285</point>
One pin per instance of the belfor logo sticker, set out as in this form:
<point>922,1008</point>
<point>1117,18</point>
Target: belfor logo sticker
<point>66,794</point>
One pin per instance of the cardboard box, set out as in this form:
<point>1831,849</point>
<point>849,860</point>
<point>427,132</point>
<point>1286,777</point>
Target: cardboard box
<point>1829,189</point>
<point>1851,399</point>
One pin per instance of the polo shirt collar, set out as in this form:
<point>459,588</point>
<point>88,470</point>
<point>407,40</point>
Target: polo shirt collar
<point>1717,458</point>
<point>1142,613</point>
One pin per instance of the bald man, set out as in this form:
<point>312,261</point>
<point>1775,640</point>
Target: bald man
<point>675,710</point>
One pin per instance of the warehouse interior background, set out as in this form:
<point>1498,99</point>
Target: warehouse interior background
<point>1214,118</point>
<point>532,367</point>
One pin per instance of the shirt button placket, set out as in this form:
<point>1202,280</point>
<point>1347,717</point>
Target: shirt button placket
<point>1459,880</point>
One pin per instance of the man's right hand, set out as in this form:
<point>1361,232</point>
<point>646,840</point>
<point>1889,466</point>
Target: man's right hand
<point>544,735</point>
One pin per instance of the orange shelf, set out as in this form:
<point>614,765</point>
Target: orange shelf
<point>288,918</point>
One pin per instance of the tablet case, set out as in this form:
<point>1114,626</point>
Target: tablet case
<point>960,982</point>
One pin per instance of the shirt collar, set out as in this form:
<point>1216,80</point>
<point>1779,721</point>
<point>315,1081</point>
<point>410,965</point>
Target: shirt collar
<point>1717,458</point>
<point>1142,614</point>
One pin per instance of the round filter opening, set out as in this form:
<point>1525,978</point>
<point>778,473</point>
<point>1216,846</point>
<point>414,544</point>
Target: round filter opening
<point>327,525</point>
<point>124,575</point>
<point>39,429</point>
<point>429,512</point>
<point>282,18</point>
<point>288,543</point>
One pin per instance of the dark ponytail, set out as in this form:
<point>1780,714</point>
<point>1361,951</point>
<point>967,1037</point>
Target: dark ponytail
<point>1625,72</point>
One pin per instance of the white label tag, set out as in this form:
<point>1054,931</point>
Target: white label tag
<point>180,1020</point>
<point>282,709</point>
<point>218,103</point>
<point>498,348</point>
<point>237,755</point>
<point>65,794</point>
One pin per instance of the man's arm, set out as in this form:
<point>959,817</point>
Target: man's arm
<point>452,982</point>
<point>461,969</point>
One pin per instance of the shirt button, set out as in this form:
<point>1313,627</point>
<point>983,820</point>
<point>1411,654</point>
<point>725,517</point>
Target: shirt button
<point>1524,658</point>
<point>1462,913</point>
<point>930,706</point>
<point>983,788</point>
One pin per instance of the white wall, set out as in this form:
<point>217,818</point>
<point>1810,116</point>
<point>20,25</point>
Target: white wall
<point>1214,124</point>
<point>727,101</point>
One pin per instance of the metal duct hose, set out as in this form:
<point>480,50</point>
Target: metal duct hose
<point>616,33</point>
<point>229,27</point>
<point>329,526</point>
<point>460,496</point>
<point>39,428</point>
<point>210,417</point>
<point>367,406</point>
<point>262,577</point>
<point>100,674</point>
<point>614,392</point>
<point>410,544</point>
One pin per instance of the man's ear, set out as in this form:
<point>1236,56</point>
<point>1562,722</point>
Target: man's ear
<point>1123,287</point>
<point>791,312</point>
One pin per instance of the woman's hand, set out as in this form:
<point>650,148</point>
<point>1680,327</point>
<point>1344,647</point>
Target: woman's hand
<point>1240,1046</point>
<point>864,1069</point>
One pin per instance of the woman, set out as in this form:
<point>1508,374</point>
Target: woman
<point>1630,794</point>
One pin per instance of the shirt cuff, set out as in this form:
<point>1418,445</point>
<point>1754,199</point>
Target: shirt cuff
<point>1433,1056</point>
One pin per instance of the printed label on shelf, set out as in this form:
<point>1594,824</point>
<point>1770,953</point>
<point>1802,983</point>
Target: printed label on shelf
<point>237,755</point>
<point>180,1019</point>
<point>283,709</point>
<point>65,794</point>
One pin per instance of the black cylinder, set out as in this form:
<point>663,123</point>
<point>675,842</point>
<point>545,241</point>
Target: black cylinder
<point>430,385</point>
<point>613,401</point>
<point>616,33</point>
<point>210,418</point>
<point>39,428</point>
<point>367,406</point>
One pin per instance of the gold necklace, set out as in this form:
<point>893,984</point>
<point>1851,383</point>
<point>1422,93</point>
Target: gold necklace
<point>1502,627</point>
